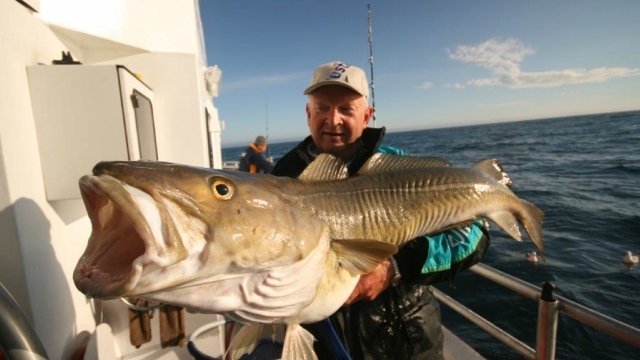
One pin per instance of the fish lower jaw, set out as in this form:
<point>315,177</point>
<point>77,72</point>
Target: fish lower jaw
<point>95,283</point>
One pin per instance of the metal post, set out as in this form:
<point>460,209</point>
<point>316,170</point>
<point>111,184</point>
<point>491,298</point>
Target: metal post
<point>547,324</point>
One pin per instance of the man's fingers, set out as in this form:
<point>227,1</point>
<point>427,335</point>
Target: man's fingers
<point>352,298</point>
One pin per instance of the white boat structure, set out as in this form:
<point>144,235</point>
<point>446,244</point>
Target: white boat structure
<point>91,80</point>
<point>85,81</point>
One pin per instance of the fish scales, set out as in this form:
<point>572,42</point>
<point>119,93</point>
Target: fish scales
<point>389,206</point>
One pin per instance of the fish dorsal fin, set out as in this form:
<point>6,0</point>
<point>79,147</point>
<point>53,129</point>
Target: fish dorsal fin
<point>493,168</point>
<point>325,167</point>
<point>380,162</point>
<point>298,344</point>
<point>359,257</point>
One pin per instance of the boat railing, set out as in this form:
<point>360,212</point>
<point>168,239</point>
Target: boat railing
<point>231,165</point>
<point>18,338</point>
<point>549,307</point>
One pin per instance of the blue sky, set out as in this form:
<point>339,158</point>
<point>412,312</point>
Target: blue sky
<point>436,63</point>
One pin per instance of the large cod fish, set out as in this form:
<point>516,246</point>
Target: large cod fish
<point>262,249</point>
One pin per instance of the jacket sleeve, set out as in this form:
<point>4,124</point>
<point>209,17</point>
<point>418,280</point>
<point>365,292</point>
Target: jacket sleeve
<point>439,258</point>
<point>262,163</point>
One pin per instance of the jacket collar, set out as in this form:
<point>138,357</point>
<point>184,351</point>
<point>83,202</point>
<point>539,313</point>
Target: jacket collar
<point>368,144</point>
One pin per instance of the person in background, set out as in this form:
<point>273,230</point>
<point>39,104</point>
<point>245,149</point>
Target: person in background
<point>252,160</point>
<point>392,313</point>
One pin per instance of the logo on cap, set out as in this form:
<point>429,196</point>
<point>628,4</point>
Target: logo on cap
<point>338,71</point>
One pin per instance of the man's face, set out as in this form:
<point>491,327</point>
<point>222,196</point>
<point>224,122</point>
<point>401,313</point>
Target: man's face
<point>336,117</point>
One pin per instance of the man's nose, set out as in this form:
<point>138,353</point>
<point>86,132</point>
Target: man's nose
<point>334,117</point>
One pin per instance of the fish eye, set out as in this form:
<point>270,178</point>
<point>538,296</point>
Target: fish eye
<point>222,189</point>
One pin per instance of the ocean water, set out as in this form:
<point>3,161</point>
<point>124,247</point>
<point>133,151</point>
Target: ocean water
<point>584,173</point>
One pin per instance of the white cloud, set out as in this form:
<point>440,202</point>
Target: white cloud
<point>456,86</point>
<point>426,85</point>
<point>261,81</point>
<point>504,59</point>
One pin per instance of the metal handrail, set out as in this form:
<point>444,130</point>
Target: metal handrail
<point>549,307</point>
<point>153,305</point>
<point>18,338</point>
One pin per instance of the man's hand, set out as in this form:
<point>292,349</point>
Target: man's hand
<point>372,284</point>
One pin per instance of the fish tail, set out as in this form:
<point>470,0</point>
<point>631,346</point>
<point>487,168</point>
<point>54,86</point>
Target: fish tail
<point>532,223</point>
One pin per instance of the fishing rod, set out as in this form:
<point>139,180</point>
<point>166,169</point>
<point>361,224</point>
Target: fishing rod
<point>266,111</point>
<point>372,85</point>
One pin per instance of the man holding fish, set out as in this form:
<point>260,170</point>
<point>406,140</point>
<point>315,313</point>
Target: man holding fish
<point>391,314</point>
<point>342,224</point>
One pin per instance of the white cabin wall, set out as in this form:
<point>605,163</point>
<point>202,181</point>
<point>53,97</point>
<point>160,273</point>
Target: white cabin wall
<point>33,4</point>
<point>147,25</point>
<point>156,25</point>
<point>43,240</point>
<point>96,17</point>
<point>12,276</point>
<point>49,240</point>
<point>179,118</point>
<point>158,17</point>
<point>216,126</point>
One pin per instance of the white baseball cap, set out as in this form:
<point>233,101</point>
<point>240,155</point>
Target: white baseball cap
<point>339,73</point>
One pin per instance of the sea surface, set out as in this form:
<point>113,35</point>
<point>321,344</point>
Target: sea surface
<point>584,173</point>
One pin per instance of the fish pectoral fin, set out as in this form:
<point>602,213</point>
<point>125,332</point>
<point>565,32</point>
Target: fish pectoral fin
<point>359,257</point>
<point>507,222</point>
<point>298,344</point>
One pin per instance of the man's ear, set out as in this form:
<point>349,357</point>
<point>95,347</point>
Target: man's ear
<point>367,115</point>
<point>306,108</point>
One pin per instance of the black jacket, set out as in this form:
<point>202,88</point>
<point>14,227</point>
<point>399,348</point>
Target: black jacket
<point>403,322</point>
<point>252,161</point>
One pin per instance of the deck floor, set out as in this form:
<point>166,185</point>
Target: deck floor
<point>456,349</point>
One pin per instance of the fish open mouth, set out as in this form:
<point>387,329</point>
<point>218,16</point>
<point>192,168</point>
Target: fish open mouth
<point>121,236</point>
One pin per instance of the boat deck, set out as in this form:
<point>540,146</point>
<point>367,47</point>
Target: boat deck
<point>456,349</point>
